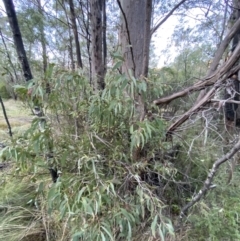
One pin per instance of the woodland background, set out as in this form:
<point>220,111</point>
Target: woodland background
<point>102,144</point>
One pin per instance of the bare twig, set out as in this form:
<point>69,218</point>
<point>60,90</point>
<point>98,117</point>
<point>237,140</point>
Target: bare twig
<point>6,118</point>
<point>208,182</point>
<point>226,101</point>
<point>154,29</point>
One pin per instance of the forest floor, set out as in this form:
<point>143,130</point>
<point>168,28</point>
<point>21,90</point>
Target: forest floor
<point>19,117</point>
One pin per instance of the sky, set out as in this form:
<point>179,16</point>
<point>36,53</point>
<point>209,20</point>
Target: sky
<point>163,36</point>
<point>161,40</point>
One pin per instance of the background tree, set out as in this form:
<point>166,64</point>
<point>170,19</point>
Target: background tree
<point>18,39</point>
<point>98,40</point>
<point>75,32</point>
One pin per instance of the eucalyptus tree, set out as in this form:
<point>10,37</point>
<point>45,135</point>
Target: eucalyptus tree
<point>75,32</point>
<point>43,40</point>
<point>13,21</point>
<point>98,42</point>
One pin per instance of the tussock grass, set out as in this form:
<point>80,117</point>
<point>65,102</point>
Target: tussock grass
<point>19,218</point>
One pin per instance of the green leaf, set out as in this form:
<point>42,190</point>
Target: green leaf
<point>153,226</point>
<point>160,232</point>
<point>118,56</point>
<point>103,236</point>
<point>107,231</point>
<point>170,228</point>
<point>40,187</point>
<point>131,129</point>
<point>117,65</point>
<point>129,237</point>
<point>80,193</point>
<point>77,235</point>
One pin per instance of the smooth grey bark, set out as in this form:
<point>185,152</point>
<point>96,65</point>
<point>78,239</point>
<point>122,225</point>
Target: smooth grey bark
<point>135,43</point>
<point>17,37</point>
<point>75,32</point>
<point>135,35</point>
<point>104,31</point>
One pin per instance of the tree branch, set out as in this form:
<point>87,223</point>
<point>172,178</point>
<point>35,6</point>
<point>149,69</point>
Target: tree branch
<point>226,101</point>
<point>208,182</point>
<point>219,53</point>
<point>154,29</point>
<point>211,78</point>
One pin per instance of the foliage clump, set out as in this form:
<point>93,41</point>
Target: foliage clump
<point>4,93</point>
<point>100,193</point>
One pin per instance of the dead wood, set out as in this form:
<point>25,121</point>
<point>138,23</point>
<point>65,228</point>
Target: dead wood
<point>208,182</point>
<point>207,80</point>
<point>215,80</point>
<point>222,73</point>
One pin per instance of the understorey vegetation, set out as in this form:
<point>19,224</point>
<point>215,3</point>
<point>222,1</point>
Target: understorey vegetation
<point>99,140</point>
<point>100,192</point>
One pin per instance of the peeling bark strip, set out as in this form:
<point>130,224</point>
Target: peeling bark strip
<point>208,183</point>
<point>12,18</point>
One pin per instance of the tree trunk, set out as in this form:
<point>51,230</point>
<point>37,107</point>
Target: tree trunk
<point>42,37</point>
<point>98,68</point>
<point>18,39</point>
<point>232,110</point>
<point>104,30</point>
<point>70,46</point>
<point>75,32</point>
<point>135,42</point>
<point>135,35</point>
<point>86,28</point>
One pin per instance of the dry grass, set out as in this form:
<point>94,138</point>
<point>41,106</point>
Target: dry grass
<point>19,117</point>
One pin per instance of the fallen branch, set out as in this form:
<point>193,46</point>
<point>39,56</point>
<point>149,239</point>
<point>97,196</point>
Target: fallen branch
<point>226,101</point>
<point>217,79</point>
<point>226,71</point>
<point>212,70</point>
<point>192,111</point>
<point>208,183</point>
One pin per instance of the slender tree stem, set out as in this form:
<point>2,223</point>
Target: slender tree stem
<point>6,118</point>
